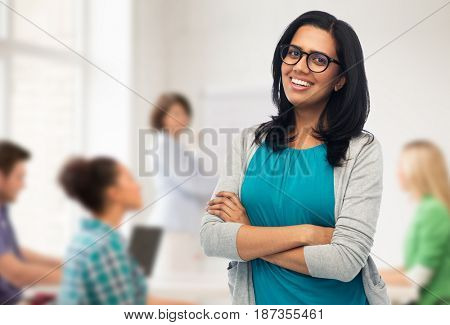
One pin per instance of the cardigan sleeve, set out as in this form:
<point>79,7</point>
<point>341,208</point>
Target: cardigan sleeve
<point>218,238</point>
<point>352,239</point>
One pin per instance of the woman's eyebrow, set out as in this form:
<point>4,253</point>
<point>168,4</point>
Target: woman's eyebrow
<point>310,51</point>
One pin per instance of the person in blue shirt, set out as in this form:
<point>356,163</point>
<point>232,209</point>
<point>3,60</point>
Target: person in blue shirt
<point>19,266</point>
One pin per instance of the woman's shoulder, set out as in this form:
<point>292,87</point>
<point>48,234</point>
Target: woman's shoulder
<point>248,134</point>
<point>365,146</point>
<point>366,140</point>
<point>245,138</point>
<point>433,209</point>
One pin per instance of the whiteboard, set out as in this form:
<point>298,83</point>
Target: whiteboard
<point>236,108</point>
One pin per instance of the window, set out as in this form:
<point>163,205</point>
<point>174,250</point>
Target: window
<point>41,94</point>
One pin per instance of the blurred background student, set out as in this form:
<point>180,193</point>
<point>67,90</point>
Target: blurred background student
<point>177,167</point>
<point>19,266</point>
<point>181,192</point>
<point>99,269</point>
<point>423,174</point>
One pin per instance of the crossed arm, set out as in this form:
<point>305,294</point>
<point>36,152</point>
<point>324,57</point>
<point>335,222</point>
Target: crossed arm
<point>282,246</point>
<point>340,257</point>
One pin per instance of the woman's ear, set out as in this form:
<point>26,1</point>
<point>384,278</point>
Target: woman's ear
<point>340,83</point>
<point>111,194</point>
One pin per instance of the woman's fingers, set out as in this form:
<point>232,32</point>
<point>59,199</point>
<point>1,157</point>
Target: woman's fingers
<point>221,214</point>
<point>233,197</point>
<point>223,207</point>
<point>228,203</point>
<point>225,201</point>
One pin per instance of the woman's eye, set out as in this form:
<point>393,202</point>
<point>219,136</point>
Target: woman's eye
<point>320,60</point>
<point>294,53</point>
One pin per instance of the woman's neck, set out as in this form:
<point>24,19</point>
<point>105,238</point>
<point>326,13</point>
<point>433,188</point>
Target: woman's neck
<point>306,118</point>
<point>111,216</point>
<point>416,195</point>
<point>173,132</point>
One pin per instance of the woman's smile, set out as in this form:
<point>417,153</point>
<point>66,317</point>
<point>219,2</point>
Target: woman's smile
<point>300,84</point>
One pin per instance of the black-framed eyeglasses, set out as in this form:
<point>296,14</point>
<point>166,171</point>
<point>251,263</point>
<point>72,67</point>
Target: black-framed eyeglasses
<point>316,61</point>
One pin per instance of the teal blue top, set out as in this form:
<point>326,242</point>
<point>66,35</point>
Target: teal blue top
<point>292,187</point>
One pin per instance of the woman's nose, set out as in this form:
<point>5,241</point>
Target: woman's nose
<point>302,65</point>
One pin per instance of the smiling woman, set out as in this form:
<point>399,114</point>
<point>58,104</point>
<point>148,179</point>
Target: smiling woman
<point>299,209</point>
<point>335,102</point>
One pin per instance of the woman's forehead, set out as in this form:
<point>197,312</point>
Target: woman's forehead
<point>310,38</point>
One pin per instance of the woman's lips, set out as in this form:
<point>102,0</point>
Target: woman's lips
<point>298,87</point>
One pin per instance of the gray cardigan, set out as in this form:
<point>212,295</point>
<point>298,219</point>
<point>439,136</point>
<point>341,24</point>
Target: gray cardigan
<point>358,187</point>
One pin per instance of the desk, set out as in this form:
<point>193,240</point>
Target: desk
<point>204,291</point>
<point>401,295</point>
<point>182,271</point>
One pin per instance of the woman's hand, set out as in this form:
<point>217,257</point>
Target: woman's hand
<point>317,235</point>
<point>228,207</point>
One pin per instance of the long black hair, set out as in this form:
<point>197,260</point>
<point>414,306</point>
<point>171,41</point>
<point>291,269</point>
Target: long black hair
<point>346,110</point>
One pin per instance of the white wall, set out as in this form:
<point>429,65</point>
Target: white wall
<point>108,114</point>
<point>148,79</point>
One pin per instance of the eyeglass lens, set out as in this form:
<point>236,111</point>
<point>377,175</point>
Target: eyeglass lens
<point>316,62</point>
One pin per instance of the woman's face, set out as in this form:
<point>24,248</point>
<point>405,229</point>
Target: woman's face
<point>176,118</point>
<point>310,39</point>
<point>125,191</point>
<point>401,176</point>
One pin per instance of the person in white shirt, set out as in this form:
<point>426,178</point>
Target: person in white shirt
<point>183,186</point>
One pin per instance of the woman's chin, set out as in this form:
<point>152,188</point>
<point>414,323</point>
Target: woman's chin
<point>298,101</point>
<point>135,207</point>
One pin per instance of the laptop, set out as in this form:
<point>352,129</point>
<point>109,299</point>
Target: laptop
<point>144,245</point>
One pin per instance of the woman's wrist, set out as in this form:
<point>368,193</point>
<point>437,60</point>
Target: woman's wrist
<point>304,235</point>
<point>310,235</point>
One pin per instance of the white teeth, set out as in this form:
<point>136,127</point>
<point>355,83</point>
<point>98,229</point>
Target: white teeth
<point>301,82</point>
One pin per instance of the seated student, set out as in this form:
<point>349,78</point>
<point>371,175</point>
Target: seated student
<point>99,269</point>
<point>423,174</point>
<point>19,266</point>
